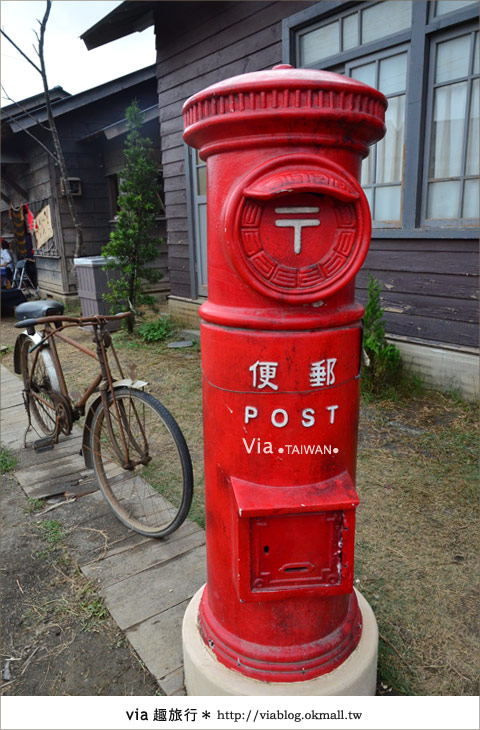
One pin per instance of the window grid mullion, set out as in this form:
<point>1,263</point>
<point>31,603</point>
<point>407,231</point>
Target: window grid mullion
<point>468,103</point>
<point>432,55</point>
<point>464,150</point>
<point>360,27</point>
<point>415,110</point>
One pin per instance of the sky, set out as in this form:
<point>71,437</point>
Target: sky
<point>67,60</point>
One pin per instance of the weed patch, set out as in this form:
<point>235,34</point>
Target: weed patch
<point>34,505</point>
<point>7,461</point>
<point>53,533</point>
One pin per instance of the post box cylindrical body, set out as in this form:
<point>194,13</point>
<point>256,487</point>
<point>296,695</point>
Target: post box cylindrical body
<point>288,229</point>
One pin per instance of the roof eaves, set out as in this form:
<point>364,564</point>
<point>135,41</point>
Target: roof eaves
<point>120,127</point>
<point>129,17</point>
<point>63,106</point>
<point>33,103</point>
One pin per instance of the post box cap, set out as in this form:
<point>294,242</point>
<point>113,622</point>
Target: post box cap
<point>286,100</point>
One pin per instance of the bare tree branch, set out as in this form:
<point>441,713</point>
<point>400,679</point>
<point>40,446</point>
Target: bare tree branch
<point>58,157</point>
<point>56,140</point>
<point>25,111</point>
<point>20,51</point>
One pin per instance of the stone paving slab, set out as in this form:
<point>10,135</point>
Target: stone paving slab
<point>146,584</point>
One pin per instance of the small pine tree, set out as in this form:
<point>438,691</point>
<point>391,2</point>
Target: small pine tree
<point>131,244</point>
<point>385,364</point>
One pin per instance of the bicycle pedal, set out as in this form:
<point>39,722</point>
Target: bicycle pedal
<point>45,444</point>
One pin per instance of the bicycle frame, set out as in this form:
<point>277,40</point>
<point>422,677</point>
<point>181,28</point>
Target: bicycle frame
<point>45,347</point>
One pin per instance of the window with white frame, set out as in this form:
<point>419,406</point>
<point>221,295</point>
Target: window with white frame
<point>354,29</point>
<point>424,57</point>
<point>382,171</point>
<point>452,181</point>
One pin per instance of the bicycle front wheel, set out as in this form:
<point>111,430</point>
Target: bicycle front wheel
<point>153,494</point>
<point>38,386</point>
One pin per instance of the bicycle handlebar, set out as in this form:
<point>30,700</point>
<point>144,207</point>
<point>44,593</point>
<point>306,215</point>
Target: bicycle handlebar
<point>94,319</point>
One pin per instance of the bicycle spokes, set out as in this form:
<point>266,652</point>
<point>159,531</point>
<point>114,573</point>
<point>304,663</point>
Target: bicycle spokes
<point>152,492</point>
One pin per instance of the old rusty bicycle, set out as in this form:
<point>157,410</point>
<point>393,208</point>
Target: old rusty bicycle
<point>131,441</point>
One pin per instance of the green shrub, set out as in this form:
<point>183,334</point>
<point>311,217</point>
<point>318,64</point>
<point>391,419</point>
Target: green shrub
<point>156,331</point>
<point>384,368</point>
<point>132,249</point>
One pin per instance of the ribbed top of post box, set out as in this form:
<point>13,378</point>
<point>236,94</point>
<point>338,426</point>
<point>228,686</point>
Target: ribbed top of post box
<point>286,94</point>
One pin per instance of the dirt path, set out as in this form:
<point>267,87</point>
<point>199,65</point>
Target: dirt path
<point>57,638</point>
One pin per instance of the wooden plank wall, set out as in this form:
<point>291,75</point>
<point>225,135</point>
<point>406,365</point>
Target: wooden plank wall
<point>221,41</point>
<point>85,159</point>
<point>34,178</point>
<point>430,286</point>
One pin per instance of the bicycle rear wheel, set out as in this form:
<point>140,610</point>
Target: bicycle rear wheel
<point>154,495</point>
<point>38,388</point>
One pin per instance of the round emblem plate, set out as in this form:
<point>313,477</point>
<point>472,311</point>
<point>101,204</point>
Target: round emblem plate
<point>298,233</point>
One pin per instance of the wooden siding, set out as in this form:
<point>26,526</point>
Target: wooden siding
<point>89,161</point>
<point>222,40</point>
<point>430,288</point>
<point>85,159</point>
<point>35,179</point>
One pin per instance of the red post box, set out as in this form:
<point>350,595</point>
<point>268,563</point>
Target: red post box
<point>288,229</point>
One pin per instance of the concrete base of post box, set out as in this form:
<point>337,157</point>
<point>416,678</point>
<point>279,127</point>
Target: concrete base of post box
<point>205,676</point>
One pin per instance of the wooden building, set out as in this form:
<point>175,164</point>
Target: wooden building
<point>92,131</point>
<point>422,181</point>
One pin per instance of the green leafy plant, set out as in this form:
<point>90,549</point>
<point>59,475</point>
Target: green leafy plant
<point>7,461</point>
<point>132,249</point>
<point>156,331</point>
<point>384,365</point>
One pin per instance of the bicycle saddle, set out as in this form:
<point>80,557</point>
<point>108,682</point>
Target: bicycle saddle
<point>35,310</point>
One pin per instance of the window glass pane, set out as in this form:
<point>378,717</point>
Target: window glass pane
<point>369,195</point>
<point>443,199</point>
<point>320,43</point>
<point>365,73</point>
<point>447,131</point>
<point>385,18</point>
<point>202,180</point>
<point>387,203</point>
<point>448,6</point>
<point>390,148</point>
<point>470,199</point>
<point>475,55</point>
<point>452,59</point>
<point>350,31</point>
<point>393,74</point>
<point>473,151</point>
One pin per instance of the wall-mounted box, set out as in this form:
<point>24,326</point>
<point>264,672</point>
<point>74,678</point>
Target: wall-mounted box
<point>75,186</point>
